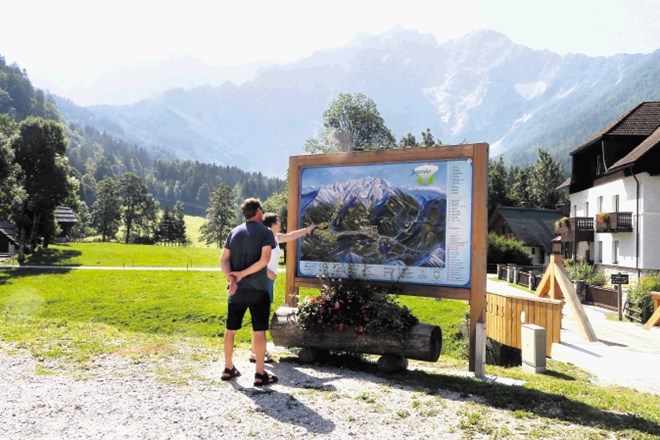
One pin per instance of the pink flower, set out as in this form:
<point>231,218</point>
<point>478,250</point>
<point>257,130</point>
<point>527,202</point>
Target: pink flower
<point>337,305</point>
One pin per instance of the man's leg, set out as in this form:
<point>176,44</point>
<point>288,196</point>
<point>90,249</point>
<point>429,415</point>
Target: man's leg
<point>235,313</point>
<point>230,336</point>
<point>259,344</point>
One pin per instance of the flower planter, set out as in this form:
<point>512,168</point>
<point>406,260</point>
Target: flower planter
<point>422,342</point>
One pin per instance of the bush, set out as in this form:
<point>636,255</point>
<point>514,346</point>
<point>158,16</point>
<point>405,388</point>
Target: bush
<point>639,296</point>
<point>502,250</point>
<point>582,270</point>
<point>357,305</point>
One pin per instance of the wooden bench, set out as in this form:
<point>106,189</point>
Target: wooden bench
<point>655,318</point>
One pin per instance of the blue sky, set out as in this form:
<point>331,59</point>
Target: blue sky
<point>76,41</point>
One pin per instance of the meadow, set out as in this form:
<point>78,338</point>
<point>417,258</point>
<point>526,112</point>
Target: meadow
<point>104,283</point>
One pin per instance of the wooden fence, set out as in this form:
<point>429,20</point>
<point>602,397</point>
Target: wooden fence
<point>600,296</point>
<point>503,317</point>
<point>528,276</point>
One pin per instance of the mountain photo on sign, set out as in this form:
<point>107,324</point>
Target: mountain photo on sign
<point>396,222</point>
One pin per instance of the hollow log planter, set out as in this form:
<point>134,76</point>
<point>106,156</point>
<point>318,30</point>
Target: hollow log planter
<point>422,342</point>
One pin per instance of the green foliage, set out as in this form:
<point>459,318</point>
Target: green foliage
<point>520,193</point>
<point>502,250</point>
<point>171,226</point>
<point>546,176</point>
<point>19,99</point>
<point>139,209</point>
<point>354,305</point>
<point>39,148</point>
<point>639,295</point>
<point>532,187</point>
<point>279,204</point>
<point>220,216</point>
<point>407,141</point>
<point>428,140</point>
<point>10,194</point>
<point>192,183</point>
<point>106,210</point>
<point>84,227</point>
<point>584,271</point>
<point>497,185</point>
<point>351,123</point>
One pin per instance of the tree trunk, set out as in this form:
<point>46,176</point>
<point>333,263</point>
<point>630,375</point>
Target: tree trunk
<point>423,341</point>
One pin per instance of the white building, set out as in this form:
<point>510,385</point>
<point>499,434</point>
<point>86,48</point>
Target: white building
<point>614,192</point>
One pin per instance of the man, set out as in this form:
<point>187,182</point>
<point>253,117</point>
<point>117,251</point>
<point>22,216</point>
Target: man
<point>244,258</point>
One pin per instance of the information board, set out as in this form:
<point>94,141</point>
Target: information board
<point>402,222</point>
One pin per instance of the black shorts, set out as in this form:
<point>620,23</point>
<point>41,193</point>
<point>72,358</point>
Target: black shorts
<point>259,312</point>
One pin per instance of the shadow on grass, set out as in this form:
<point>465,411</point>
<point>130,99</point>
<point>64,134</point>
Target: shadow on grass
<point>54,257</point>
<point>11,273</point>
<point>502,396</point>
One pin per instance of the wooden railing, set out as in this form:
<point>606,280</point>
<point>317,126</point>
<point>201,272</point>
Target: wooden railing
<point>503,317</point>
<point>616,222</point>
<point>600,296</point>
<point>577,229</point>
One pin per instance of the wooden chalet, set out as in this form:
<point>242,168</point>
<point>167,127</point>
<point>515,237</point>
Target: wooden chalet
<point>8,239</point>
<point>66,219</point>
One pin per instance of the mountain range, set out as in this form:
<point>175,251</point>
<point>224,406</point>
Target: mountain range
<point>478,88</point>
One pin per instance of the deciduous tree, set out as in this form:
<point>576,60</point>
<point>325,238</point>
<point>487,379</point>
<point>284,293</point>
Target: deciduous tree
<point>106,212</point>
<point>351,123</point>
<point>139,209</point>
<point>40,153</point>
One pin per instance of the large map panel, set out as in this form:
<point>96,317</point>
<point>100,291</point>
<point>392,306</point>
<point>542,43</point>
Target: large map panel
<point>404,222</point>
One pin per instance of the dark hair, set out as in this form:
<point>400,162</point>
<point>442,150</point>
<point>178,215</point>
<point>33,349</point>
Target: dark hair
<point>250,207</point>
<point>270,218</point>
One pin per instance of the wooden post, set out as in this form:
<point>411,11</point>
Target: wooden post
<point>655,318</point>
<point>479,247</point>
<point>556,282</point>
<point>619,298</point>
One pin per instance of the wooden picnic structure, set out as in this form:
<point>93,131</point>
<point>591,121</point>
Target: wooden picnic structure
<point>655,318</point>
<point>506,312</point>
<point>503,317</point>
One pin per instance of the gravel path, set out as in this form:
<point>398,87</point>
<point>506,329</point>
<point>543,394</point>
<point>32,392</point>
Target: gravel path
<point>118,397</point>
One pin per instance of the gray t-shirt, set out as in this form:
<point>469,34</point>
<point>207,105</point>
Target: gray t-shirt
<point>244,243</point>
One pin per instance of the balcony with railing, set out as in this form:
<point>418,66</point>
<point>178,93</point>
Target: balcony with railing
<point>576,229</point>
<point>614,222</point>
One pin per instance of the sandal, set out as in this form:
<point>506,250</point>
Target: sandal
<point>230,373</point>
<point>266,379</point>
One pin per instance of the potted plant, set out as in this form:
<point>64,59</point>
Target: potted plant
<point>602,217</point>
<point>562,223</point>
<point>356,316</point>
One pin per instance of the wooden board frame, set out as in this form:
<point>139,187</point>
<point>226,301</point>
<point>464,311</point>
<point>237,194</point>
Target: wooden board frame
<point>477,153</point>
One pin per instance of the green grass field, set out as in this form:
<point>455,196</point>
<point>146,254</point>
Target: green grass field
<point>122,255</point>
<point>184,303</point>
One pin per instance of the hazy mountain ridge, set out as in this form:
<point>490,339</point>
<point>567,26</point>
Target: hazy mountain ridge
<point>479,88</point>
